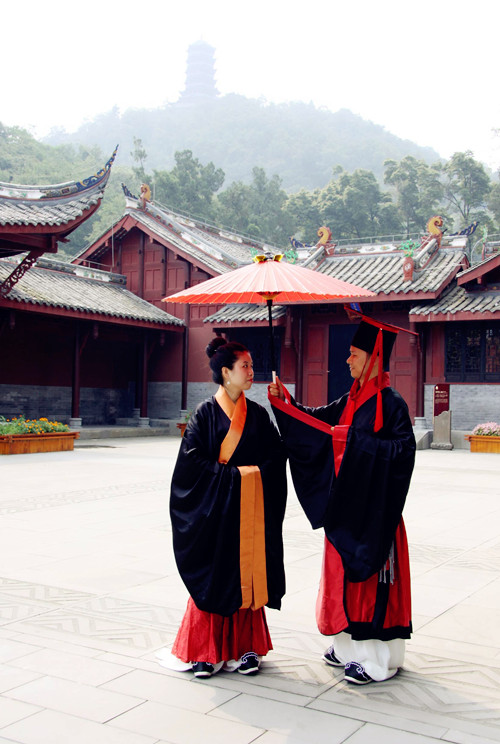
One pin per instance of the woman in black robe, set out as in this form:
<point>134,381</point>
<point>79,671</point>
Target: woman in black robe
<point>227,504</point>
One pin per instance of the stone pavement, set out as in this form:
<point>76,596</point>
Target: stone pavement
<point>89,593</point>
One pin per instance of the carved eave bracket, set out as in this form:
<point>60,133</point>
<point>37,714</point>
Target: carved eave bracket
<point>18,273</point>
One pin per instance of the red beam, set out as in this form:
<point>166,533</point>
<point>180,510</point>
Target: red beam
<point>63,312</point>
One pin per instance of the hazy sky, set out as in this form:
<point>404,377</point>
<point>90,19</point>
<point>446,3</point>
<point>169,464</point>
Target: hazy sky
<point>426,71</point>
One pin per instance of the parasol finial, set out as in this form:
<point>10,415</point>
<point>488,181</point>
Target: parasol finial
<point>263,257</point>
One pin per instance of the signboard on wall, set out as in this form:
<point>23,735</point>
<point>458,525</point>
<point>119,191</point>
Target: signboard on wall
<point>441,398</point>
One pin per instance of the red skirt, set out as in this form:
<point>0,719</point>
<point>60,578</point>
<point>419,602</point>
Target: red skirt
<point>344,605</point>
<point>204,636</point>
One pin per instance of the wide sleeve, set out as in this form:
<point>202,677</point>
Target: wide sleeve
<point>204,511</point>
<point>205,507</point>
<point>310,454</point>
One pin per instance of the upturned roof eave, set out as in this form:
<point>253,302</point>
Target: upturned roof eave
<point>59,192</point>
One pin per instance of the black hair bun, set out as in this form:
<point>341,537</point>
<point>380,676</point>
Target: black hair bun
<point>215,344</point>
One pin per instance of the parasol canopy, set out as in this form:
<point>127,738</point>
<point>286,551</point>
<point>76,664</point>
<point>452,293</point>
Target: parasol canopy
<point>269,279</point>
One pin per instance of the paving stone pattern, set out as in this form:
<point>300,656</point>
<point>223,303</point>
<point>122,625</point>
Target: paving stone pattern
<point>89,593</point>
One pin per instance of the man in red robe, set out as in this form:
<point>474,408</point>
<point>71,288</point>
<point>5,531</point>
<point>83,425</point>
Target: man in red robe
<point>351,463</point>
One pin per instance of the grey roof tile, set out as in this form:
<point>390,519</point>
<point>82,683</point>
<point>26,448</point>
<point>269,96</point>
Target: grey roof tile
<point>175,239</point>
<point>245,313</point>
<point>36,213</point>
<point>230,248</point>
<point>459,299</point>
<point>62,287</point>
<point>383,273</point>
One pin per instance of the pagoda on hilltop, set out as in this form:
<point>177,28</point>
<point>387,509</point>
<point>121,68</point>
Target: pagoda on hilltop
<point>200,75</point>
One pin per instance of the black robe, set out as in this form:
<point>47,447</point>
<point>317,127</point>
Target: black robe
<point>205,506</point>
<point>361,507</point>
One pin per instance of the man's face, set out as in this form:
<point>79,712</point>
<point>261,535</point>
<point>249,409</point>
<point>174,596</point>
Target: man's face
<point>358,362</point>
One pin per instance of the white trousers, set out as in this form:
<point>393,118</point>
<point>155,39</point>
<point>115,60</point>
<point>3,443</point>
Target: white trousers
<point>380,659</point>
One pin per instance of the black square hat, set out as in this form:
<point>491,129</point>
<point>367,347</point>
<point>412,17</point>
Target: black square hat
<point>366,335</point>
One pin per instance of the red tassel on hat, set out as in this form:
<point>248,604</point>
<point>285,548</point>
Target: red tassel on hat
<point>378,352</point>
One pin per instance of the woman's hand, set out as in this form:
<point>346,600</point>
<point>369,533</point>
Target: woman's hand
<point>276,389</point>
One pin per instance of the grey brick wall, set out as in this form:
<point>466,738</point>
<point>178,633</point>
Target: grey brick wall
<point>198,392</point>
<point>469,405</point>
<point>97,405</point>
<point>164,400</point>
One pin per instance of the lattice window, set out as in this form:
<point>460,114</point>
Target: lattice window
<point>257,342</point>
<point>492,360</point>
<point>472,352</point>
<point>454,354</point>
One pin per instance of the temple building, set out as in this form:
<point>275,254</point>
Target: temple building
<point>76,343</point>
<point>427,287</point>
<point>94,342</point>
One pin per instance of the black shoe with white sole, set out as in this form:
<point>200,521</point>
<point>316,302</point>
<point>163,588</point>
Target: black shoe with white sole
<point>355,673</point>
<point>203,669</point>
<point>331,659</point>
<point>249,663</point>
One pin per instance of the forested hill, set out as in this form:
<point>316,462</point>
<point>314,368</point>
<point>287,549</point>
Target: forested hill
<point>296,141</point>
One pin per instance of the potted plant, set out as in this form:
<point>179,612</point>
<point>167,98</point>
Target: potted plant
<point>21,436</point>
<point>182,424</point>
<point>485,438</point>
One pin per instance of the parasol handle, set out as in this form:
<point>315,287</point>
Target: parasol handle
<point>269,303</point>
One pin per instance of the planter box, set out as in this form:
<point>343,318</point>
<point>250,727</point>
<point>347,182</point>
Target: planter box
<point>483,444</point>
<point>182,427</point>
<point>25,444</point>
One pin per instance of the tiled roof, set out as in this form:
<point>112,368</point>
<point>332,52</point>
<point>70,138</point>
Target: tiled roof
<point>58,212</point>
<point>54,284</point>
<point>228,247</point>
<point>52,205</point>
<point>218,250</point>
<point>383,273</point>
<point>180,241</point>
<point>459,300</point>
<point>245,313</point>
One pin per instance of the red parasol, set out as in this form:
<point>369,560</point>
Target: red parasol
<point>267,280</point>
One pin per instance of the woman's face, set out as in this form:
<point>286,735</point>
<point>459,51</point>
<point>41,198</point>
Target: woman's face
<point>240,377</point>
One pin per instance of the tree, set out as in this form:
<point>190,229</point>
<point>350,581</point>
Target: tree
<point>304,214</point>
<point>494,201</point>
<point>139,156</point>
<point>189,187</point>
<point>351,205</point>
<point>467,187</point>
<point>418,189</point>
<point>257,210</point>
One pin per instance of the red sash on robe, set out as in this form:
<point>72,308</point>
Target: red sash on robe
<point>357,396</point>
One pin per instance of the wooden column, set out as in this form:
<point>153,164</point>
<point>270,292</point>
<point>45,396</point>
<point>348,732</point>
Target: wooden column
<point>142,258</point>
<point>185,346</point>
<point>144,377</point>
<point>418,344</point>
<point>79,345</point>
<point>75,385</point>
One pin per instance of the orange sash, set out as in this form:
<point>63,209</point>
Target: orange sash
<point>253,573</point>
